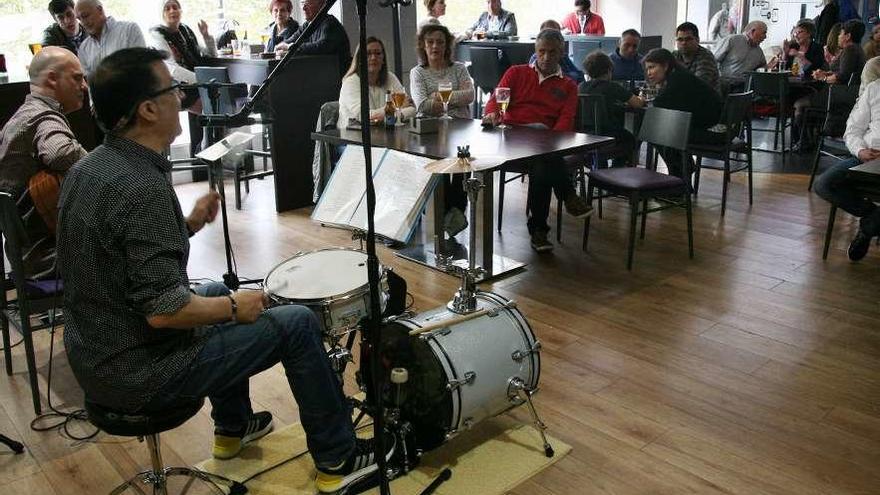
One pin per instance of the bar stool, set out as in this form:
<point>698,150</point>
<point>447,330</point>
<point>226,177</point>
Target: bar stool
<point>148,425</point>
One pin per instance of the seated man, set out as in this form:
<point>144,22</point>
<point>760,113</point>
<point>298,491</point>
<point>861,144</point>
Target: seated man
<point>696,59</point>
<point>136,337</point>
<point>741,53</point>
<point>568,67</point>
<point>65,31</point>
<point>541,96</point>
<point>582,21</point>
<point>105,34</point>
<point>329,39</point>
<point>599,68</point>
<point>38,139</point>
<point>863,141</point>
<point>627,66</point>
<point>494,20</point>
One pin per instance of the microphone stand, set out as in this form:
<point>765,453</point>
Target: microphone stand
<point>373,327</point>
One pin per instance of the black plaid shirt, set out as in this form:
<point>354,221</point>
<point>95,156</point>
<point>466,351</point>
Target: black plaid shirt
<point>122,250</point>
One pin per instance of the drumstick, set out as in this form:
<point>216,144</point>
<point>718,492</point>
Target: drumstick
<point>449,322</point>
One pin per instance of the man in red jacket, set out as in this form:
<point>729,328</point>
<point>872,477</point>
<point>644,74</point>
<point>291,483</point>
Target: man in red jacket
<point>541,96</point>
<point>582,21</point>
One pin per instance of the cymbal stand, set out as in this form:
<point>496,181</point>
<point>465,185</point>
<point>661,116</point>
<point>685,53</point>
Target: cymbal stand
<point>465,300</point>
<point>520,392</point>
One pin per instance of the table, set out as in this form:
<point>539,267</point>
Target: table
<point>510,147</point>
<point>295,100</point>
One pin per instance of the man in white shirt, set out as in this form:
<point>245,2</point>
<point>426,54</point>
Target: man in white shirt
<point>863,140</point>
<point>106,35</point>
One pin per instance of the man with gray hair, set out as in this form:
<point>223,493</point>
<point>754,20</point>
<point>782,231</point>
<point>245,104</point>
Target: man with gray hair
<point>741,53</point>
<point>105,34</point>
<point>38,138</point>
<point>542,96</point>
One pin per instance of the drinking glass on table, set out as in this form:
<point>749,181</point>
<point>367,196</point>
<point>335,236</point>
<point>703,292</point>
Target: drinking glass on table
<point>502,97</point>
<point>398,99</point>
<point>444,89</point>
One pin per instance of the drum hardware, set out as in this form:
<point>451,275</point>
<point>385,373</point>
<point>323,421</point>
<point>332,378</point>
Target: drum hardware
<point>339,359</point>
<point>360,236</point>
<point>442,327</point>
<point>525,392</point>
<point>519,355</point>
<point>469,378</point>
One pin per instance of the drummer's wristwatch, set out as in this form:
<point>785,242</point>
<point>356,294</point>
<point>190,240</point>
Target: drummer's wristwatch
<point>234,318</point>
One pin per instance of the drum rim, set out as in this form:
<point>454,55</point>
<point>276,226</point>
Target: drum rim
<point>323,301</point>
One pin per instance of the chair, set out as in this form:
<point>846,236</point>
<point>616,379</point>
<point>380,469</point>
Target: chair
<point>148,425</point>
<point>869,187</point>
<point>31,297</point>
<point>243,172</point>
<point>737,122</point>
<point>661,127</point>
<point>487,67</point>
<point>325,155</point>
<point>774,87</point>
<point>841,100</point>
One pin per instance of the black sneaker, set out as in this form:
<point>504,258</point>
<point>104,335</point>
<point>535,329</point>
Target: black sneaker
<point>228,443</point>
<point>359,464</point>
<point>858,248</point>
<point>540,243</point>
<point>577,207</point>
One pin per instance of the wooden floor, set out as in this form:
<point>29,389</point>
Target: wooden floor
<point>752,369</point>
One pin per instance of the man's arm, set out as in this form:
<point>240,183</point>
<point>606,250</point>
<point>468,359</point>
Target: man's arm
<point>134,36</point>
<point>490,110</point>
<point>859,121</point>
<point>510,25</point>
<point>55,144</point>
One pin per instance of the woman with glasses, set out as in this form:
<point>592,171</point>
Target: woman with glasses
<point>380,82</point>
<point>186,53</point>
<point>282,26</point>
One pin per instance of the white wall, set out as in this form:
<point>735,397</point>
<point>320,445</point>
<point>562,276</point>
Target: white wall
<point>620,15</point>
<point>660,17</point>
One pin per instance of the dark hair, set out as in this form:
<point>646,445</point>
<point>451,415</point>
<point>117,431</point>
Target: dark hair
<point>855,29</point>
<point>583,3</point>
<point>598,64</point>
<point>661,56</point>
<point>355,62</point>
<point>121,82</point>
<point>420,42</point>
<point>58,7</point>
<point>807,25</point>
<point>429,4</point>
<point>631,32</point>
<point>550,24</point>
<point>689,27</point>
<point>551,34</point>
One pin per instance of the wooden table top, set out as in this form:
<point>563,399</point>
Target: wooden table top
<point>507,147</point>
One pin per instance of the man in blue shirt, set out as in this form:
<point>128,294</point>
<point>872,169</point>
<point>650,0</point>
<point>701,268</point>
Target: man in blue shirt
<point>626,60</point>
<point>568,67</point>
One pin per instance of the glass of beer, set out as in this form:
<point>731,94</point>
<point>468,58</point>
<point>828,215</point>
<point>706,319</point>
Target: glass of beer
<point>502,97</point>
<point>264,39</point>
<point>444,89</point>
<point>398,99</point>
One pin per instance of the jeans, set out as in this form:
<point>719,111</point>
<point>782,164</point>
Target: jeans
<point>235,352</point>
<point>551,175</point>
<point>834,186</point>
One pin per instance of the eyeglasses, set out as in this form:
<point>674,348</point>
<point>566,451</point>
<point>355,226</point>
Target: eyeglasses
<point>177,88</point>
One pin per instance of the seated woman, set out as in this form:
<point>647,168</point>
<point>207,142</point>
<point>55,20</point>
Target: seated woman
<point>872,46</point>
<point>804,50</point>
<point>494,20</point>
<point>282,26</point>
<point>180,41</point>
<point>380,81</point>
<point>435,66</point>
<point>599,67</point>
<point>681,90</point>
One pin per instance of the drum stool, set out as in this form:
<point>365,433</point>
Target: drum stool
<point>148,425</point>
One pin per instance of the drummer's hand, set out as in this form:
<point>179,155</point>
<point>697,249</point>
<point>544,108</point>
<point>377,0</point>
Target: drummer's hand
<point>493,118</point>
<point>251,304</point>
<point>205,211</point>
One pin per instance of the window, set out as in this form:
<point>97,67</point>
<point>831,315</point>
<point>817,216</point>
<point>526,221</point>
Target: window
<point>461,14</point>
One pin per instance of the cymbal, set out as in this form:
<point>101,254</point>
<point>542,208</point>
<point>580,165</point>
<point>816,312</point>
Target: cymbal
<point>458,165</point>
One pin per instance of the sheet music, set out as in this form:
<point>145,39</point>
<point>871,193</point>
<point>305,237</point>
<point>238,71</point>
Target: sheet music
<point>345,190</point>
<point>235,141</point>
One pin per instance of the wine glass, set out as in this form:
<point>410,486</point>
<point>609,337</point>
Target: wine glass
<point>444,89</point>
<point>398,99</point>
<point>502,97</point>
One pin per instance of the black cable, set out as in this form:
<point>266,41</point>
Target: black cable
<point>68,416</point>
<point>411,301</point>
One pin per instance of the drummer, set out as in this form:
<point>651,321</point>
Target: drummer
<point>136,337</point>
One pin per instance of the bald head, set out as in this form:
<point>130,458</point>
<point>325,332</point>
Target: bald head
<point>57,73</point>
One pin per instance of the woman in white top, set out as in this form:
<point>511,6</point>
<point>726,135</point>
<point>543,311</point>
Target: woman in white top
<point>380,81</point>
<point>436,65</point>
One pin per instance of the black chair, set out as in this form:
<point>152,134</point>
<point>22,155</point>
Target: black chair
<point>773,87</point>
<point>243,172</point>
<point>32,297</point>
<point>841,100</point>
<point>487,67</point>
<point>148,425</point>
<point>661,127</point>
<point>737,142</point>
<point>867,185</point>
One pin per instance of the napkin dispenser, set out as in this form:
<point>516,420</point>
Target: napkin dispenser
<point>427,125</point>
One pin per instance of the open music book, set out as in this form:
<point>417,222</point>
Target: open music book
<point>402,189</point>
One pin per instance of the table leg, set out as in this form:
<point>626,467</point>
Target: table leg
<point>485,214</point>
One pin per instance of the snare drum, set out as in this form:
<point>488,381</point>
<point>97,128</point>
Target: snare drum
<point>331,282</point>
<point>460,374</point>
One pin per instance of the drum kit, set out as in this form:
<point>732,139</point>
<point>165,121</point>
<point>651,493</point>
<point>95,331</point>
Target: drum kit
<point>445,370</point>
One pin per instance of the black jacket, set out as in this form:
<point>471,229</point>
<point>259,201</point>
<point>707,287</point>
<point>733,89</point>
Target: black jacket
<point>329,39</point>
<point>55,36</point>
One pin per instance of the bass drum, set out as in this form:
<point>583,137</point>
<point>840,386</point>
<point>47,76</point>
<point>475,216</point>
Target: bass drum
<point>460,374</point>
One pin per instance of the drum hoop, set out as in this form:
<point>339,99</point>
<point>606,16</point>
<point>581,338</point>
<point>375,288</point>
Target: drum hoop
<point>528,332</point>
<point>448,364</point>
<point>323,301</point>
